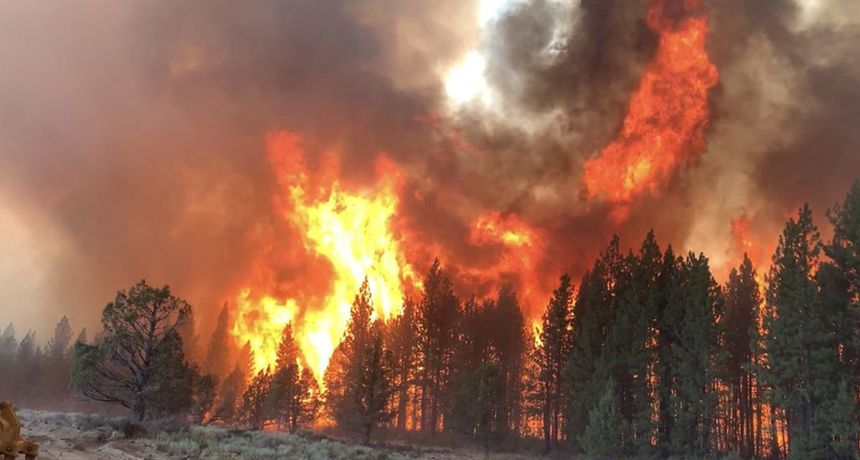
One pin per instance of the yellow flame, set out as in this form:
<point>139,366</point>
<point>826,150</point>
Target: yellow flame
<point>263,336</point>
<point>352,231</point>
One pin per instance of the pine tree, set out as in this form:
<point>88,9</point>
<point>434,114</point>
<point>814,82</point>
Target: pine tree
<point>839,423</point>
<point>551,357</point>
<point>509,343</point>
<point>376,386</point>
<point>228,398</point>
<point>58,345</point>
<point>172,381</point>
<point>631,340</point>
<point>245,362</point>
<point>359,378</point>
<point>839,284</point>
<point>740,328</point>
<point>123,367</point>
<point>58,360</point>
<point>255,399</point>
<point>697,299</point>
<point>288,350</point>
<point>203,404</point>
<point>187,331</point>
<point>666,335</point>
<point>607,431</point>
<point>228,408</point>
<point>28,368</point>
<point>595,310</point>
<point>8,345</point>
<point>293,396</point>
<point>477,400</point>
<point>802,368</point>
<point>218,353</point>
<point>402,332</point>
<point>8,354</point>
<point>312,397</point>
<point>438,315</point>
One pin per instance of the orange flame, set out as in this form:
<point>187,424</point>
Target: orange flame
<point>521,248</point>
<point>666,117</point>
<point>743,241</point>
<point>351,232</point>
<point>509,230</point>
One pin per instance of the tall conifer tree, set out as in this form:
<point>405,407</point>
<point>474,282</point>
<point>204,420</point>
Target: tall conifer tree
<point>551,356</point>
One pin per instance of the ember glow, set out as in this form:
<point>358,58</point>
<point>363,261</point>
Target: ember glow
<point>666,117</point>
<point>351,231</point>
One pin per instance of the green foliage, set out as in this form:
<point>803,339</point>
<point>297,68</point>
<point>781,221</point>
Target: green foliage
<point>218,354</point>
<point>360,374</point>
<point>228,398</point>
<point>28,367</point>
<point>740,335</point>
<point>508,341</point>
<point>401,332</point>
<point>607,432</point>
<point>477,400</point>
<point>255,400</point>
<point>173,381</point>
<point>614,318</point>
<point>139,362</point>
<point>839,285</point>
<point>438,316</point>
<point>551,357</point>
<point>294,395</point>
<point>203,403</point>
<point>697,298</point>
<point>596,305</point>
<point>803,368</point>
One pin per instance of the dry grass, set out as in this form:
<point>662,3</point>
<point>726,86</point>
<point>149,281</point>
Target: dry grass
<point>69,435</point>
<point>75,436</point>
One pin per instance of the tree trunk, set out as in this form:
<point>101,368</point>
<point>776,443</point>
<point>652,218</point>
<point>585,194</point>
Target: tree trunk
<point>424,385</point>
<point>434,403</point>
<point>367,429</point>
<point>401,403</point>
<point>547,428</point>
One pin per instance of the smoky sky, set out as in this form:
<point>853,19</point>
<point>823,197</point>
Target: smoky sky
<point>132,133</point>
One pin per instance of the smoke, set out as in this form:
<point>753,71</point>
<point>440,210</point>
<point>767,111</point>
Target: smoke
<point>132,133</point>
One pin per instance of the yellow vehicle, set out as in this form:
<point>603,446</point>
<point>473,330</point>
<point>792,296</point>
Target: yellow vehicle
<point>11,442</point>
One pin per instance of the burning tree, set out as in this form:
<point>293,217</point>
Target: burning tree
<point>294,395</point>
<point>359,377</point>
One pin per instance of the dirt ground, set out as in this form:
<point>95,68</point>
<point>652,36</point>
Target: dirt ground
<point>59,437</point>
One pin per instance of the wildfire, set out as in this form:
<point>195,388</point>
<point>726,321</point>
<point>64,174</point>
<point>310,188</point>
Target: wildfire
<point>746,243</point>
<point>351,232</point>
<point>743,241</point>
<point>521,246</point>
<point>510,230</point>
<point>666,117</point>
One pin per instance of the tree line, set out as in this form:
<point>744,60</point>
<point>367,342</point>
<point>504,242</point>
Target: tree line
<point>37,375</point>
<point>647,355</point>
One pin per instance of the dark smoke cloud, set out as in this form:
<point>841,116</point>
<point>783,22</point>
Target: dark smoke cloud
<point>132,133</point>
<point>780,133</point>
<point>138,128</point>
<point>585,61</point>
